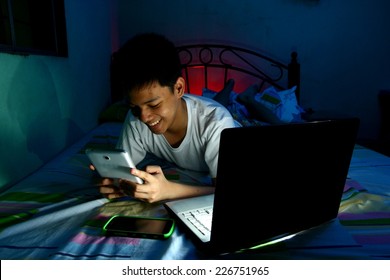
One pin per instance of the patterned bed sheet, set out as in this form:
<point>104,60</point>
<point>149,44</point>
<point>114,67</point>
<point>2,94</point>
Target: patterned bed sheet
<point>57,213</point>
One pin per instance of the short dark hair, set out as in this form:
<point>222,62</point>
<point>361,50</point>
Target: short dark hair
<point>144,59</point>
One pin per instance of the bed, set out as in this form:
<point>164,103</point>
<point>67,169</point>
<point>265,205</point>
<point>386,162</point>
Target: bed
<point>57,212</point>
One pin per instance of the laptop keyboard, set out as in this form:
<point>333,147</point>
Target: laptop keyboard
<point>200,218</point>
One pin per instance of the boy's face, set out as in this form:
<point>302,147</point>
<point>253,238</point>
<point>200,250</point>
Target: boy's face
<point>158,107</point>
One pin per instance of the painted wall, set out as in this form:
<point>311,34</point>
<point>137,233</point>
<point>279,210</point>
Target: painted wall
<point>343,46</point>
<point>47,103</point>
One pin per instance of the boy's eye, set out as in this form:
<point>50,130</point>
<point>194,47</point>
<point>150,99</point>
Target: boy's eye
<point>136,111</point>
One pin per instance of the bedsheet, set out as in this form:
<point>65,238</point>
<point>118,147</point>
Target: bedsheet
<point>57,213</point>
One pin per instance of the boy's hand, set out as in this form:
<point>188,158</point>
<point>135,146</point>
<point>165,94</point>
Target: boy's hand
<point>155,186</point>
<point>108,187</point>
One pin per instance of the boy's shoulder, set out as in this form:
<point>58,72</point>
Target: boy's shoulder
<point>206,106</point>
<point>201,99</point>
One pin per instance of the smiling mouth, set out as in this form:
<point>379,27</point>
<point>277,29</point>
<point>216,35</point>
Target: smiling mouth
<point>154,123</point>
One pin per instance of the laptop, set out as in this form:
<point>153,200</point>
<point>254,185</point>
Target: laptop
<point>273,182</point>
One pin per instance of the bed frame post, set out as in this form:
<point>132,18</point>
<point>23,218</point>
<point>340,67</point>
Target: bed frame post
<point>294,74</point>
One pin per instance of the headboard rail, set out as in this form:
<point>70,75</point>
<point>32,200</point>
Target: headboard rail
<point>232,61</point>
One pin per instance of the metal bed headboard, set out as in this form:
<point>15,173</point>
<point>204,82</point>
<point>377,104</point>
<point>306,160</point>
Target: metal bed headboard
<point>232,60</point>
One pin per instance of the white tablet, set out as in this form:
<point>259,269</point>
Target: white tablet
<point>112,163</point>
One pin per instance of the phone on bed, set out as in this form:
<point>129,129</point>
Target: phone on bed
<point>113,163</point>
<point>139,227</point>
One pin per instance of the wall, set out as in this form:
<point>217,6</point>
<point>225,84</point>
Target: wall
<point>343,46</point>
<point>47,103</point>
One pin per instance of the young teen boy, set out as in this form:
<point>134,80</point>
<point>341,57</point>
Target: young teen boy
<point>164,121</point>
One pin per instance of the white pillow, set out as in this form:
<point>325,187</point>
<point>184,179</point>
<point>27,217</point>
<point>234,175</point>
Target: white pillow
<point>209,93</point>
<point>282,103</point>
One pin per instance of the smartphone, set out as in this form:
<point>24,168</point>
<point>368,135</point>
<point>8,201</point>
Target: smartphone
<point>140,227</point>
<point>113,163</point>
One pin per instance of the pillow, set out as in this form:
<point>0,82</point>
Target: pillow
<point>116,112</point>
<point>223,96</point>
<point>256,109</point>
<point>209,93</point>
<point>270,106</point>
<point>282,103</point>
<point>239,111</point>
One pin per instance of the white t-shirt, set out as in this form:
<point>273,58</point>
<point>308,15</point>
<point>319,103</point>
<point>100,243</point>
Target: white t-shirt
<point>199,149</point>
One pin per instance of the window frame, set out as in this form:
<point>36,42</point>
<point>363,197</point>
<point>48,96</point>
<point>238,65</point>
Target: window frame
<point>57,45</point>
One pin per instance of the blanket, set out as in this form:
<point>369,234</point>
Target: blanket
<point>58,213</point>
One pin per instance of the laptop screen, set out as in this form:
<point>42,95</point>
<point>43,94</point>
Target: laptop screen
<point>278,180</point>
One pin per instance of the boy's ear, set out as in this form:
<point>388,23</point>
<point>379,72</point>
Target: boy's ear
<point>180,86</point>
